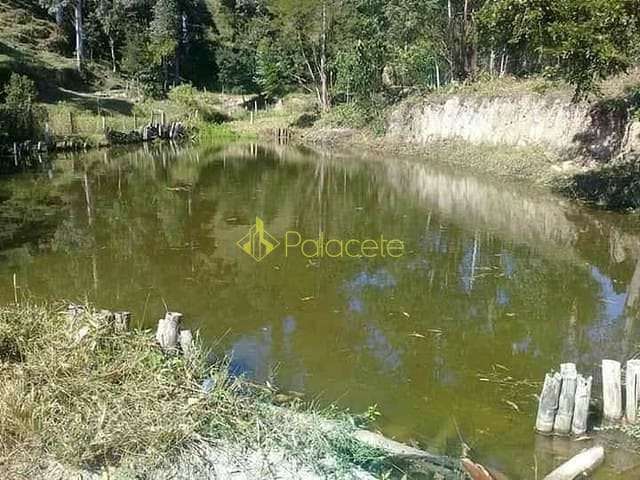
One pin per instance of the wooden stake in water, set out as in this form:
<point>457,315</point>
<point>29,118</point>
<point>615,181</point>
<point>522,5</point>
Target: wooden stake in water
<point>15,289</point>
<point>549,399</point>
<point>633,389</point>
<point>581,409</point>
<point>564,416</point>
<point>611,390</point>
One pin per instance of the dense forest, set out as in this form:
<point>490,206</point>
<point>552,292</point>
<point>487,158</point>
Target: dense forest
<point>348,49</point>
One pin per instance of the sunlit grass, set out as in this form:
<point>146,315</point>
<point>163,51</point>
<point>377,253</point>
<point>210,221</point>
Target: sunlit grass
<point>75,391</point>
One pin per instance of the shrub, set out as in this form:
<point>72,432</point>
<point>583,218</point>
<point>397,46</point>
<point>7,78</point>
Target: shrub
<point>20,118</point>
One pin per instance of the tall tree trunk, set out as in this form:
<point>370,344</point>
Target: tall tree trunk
<point>324,90</point>
<point>79,34</point>
<point>59,14</point>
<point>492,62</point>
<point>112,48</point>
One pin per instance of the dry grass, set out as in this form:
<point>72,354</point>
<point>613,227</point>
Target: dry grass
<point>76,392</point>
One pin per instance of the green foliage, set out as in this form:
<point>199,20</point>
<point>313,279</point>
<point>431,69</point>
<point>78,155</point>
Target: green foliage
<point>272,68</point>
<point>20,118</point>
<point>189,97</point>
<point>164,30</point>
<point>359,69</point>
<point>359,115</point>
<point>184,95</point>
<point>586,41</point>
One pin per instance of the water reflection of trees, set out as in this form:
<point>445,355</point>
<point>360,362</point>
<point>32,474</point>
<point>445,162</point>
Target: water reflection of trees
<point>494,273</point>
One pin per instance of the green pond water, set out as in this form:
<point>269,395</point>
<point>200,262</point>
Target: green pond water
<point>498,283</point>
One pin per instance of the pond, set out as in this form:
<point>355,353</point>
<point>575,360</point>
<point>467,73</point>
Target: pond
<point>497,283</point>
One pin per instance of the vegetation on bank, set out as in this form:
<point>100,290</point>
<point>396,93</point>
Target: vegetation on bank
<point>77,392</point>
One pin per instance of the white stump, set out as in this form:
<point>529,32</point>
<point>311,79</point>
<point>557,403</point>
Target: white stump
<point>564,415</point>
<point>633,389</point>
<point>185,339</point>
<point>581,409</point>
<point>548,405</point>
<point>611,390</point>
<point>167,333</point>
<point>121,321</point>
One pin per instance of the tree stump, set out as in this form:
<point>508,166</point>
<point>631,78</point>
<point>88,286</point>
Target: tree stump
<point>581,410</point>
<point>121,321</point>
<point>168,328</point>
<point>564,415</point>
<point>633,389</point>
<point>185,338</point>
<point>611,390</point>
<point>106,318</point>
<point>548,405</point>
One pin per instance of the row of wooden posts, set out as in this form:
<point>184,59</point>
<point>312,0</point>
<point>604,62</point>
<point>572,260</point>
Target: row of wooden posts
<point>563,407</point>
<point>102,121</point>
<point>170,335</point>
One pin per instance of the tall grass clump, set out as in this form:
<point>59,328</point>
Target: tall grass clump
<point>76,392</point>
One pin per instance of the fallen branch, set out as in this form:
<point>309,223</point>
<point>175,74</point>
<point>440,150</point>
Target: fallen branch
<point>582,464</point>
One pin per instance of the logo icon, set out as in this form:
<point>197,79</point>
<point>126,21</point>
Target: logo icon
<point>258,243</point>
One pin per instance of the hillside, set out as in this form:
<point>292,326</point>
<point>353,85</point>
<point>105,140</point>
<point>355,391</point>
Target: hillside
<point>31,44</point>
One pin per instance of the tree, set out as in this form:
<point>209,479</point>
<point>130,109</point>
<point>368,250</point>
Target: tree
<point>580,41</point>
<point>164,34</point>
<point>56,7</point>
<point>307,25</point>
<point>112,16</point>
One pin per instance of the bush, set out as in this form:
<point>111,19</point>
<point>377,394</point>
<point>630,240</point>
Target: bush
<point>356,115</point>
<point>192,99</point>
<point>20,118</point>
<point>184,95</point>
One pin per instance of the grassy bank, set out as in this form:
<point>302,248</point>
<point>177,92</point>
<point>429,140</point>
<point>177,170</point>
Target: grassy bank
<point>78,396</point>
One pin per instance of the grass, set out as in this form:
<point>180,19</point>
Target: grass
<point>75,392</point>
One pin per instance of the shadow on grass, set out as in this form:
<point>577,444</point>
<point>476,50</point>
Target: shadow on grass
<point>92,103</point>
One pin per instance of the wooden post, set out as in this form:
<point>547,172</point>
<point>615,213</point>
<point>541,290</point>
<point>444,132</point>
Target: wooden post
<point>135,121</point>
<point>121,321</point>
<point>564,416</point>
<point>15,153</point>
<point>582,464</point>
<point>581,410</point>
<point>633,389</point>
<point>106,317</point>
<point>167,333</point>
<point>72,127</point>
<point>251,114</point>
<point>185,339</point>
<point>548,405</point>
<point>162,117</point>
<point>611,390</point>
<point>104,124</point>
<point>255,107</point>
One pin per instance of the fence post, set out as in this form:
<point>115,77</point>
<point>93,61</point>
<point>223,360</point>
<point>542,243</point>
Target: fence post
<point>611,390</point>
<point>72,127</point>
